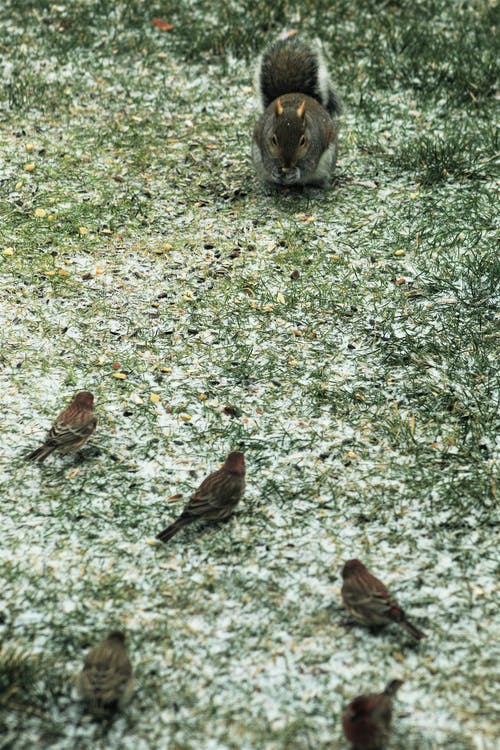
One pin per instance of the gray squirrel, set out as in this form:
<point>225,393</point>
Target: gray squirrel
<point>295,139</point>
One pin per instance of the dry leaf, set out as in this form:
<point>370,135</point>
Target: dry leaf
<point>171,498</point>
<point>162,25</point>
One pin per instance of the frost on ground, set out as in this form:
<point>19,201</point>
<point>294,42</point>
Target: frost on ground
<point>344,340</point>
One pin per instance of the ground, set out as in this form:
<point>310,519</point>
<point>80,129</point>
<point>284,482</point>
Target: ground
<point>345,339</point>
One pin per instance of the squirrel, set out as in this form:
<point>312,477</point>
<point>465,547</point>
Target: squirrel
<point>295,139</point>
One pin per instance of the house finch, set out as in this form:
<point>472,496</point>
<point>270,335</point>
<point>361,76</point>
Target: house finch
<point>105,682</point>
<point>216,497</point>
<point>369,601</point>
<point>71,430</point>
<point>367,719</point>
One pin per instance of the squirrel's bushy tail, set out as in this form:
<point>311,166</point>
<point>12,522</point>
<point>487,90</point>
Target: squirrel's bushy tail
<point>290,66</point>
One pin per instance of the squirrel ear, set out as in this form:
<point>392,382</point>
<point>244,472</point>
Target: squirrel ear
<point>301,109</point>
<point>279,107</point>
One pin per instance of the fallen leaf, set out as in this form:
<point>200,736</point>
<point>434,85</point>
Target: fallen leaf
<point>171,498</point>
<point>162,25</point>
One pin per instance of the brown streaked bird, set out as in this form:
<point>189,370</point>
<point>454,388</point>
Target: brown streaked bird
<point>369,601</point>
<point>216,497</point>
<point>367,719</point>
<point>71,430</point>
<point>105,682</point>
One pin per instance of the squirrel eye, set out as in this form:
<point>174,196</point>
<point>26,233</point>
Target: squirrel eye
<point>302,140</point>
<point>274,139</point>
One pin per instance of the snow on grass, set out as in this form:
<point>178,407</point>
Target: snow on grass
<point>345,340</point>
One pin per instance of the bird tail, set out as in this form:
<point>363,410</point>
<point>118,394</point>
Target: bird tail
<point>392,687</point>
<point>412,630</point>
<point>40,454</point>
<point>169,532</point>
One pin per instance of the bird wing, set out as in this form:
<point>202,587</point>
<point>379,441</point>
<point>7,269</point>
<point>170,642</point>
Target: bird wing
<point>371,605</point>
<point>204,505</point>
<point>63,434</point>
<point>216,496</point>
<point>383,709</point>
<point>205,499</point>
<point>368,598</point>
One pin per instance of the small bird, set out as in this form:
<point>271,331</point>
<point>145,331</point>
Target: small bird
<point>71,430</point>
<point>216,497</point>
<point>367,719</point>
<point>105,682</point>
<point>369,601</point>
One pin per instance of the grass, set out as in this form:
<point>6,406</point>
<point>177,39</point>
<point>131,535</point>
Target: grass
<point>346,340</point>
